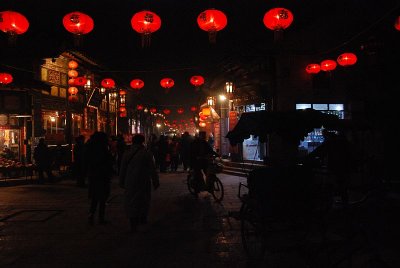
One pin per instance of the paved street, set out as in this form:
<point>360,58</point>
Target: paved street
<point>46,226</point>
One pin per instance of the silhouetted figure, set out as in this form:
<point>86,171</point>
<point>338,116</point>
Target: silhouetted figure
<point>173,150</point>
<point>79,167</point>
<point>43,160</point>
<point>200,152</point>
<point>152,146</point>
<point>99,170</point>
<point>138,173</point>
<point>184,149</point>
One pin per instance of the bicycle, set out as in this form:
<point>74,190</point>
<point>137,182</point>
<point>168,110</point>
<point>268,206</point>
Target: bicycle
<point>214,185</point>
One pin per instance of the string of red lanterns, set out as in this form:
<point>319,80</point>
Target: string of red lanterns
<point>345,60</point>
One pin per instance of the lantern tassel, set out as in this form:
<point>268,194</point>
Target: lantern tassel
<point>146,40</point>
<point>12,39</point>
<point>212,36</point>
<point>278,36</point>
<point>77,40</point>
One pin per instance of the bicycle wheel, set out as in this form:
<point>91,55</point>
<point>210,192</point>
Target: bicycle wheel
<point>190,184</point>
<point>217,189</point>
<point>252,233</point>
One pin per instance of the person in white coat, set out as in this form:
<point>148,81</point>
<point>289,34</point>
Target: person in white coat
<point>137,174</point>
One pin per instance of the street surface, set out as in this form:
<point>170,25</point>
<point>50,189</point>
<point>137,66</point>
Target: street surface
<point>46,226</point>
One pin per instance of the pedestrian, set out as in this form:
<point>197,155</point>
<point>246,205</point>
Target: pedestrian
<point>121,147</point>
<point>43,161</point>
<point>99,170</point>
<point>78,166</point>
<point>138,174</point>
<point>163,153</point>
<point>173,150</point>
<point>184,148</point>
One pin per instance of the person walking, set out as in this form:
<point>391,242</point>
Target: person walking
<point>43,160</point>
<point>99,170</point>
<point>138,173</point>
<point>184,147</point>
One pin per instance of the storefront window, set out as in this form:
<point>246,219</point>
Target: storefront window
<point>9,143</point>
<point>315,137</point>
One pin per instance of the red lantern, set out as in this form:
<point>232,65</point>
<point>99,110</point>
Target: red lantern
<point>71,81</point>
<point>180,111</point>
<point>124,114</point>
<point>193,108</point>
<point>13,23</point>
<point>328,65</point>
<point>72,64</point>
<point>80,81</point>
<point>5,78</point>
<point>108,83</point>
<point>78,23</point>
<point>212,21</point>
<point>313,68</point>
<point>397,23</point>
<point>347,59</point>
<point>139,107</point>
<point>167,111</point>
<point>167,83</point>
<point>122,92</point>
<point>278,19</point>
<point>72,90</point>
<point>73,98</point>
<point>145,23</point>
<point>197,80</point>
<point>153,110</point>
<point>122,109</point>
<point>73,73</point>
<point>137,84</point>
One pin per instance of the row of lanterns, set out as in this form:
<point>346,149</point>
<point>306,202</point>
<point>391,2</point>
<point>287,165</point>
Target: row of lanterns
<point>166,111</point>
<point>167,83</point>
<point>345,59</point>
<point>145,22</point>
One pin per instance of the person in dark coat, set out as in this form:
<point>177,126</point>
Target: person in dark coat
<point>162,152</point>
<point>121,147</point>
<point>184,149</point>
<point>43,160</point>
<point>99,163</point>
<point>138,173</point>
<point>79,168</point>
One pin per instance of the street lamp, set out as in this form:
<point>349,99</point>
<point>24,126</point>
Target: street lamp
<point>229,88</point>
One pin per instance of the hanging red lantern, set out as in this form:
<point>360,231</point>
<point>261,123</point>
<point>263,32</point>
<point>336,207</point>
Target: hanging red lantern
<point>197,80</point>
<point>193,108</point>
<point>153,110</point>
<point>397,23</point>
<point>122,109</point>
<point>124,114</point>
<point>313,68</point>
<point>73,73</point>
<point>145,23</point>
<point>167,83</point>
<point>78,23</point>
<point>139,107</point>
<point>72,64</point>
<point>137,84</point>
<point>167,111</point>
<point>73,98</point>
<point>278,19</point>
<point>107,83</point>
<point>5,78</point>
<point>122,92</point>
<point>212,21</point>
<point>71,81</point>
<point>80,81</point>
<point>72,90</point>
<point>328,65</point>
<point>13,23</point>
<point>347,59</point>
<point>180,111</point>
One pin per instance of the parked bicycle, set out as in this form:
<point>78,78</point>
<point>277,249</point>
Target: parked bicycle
<point>214,185</point>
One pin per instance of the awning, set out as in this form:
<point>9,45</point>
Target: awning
<point>293,125</point>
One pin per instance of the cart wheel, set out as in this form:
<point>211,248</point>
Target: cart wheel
<point>252,234</point>
<point>218,189</point>
<point>190,184</point>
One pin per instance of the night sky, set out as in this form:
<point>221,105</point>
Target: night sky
<point>180,48</point>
